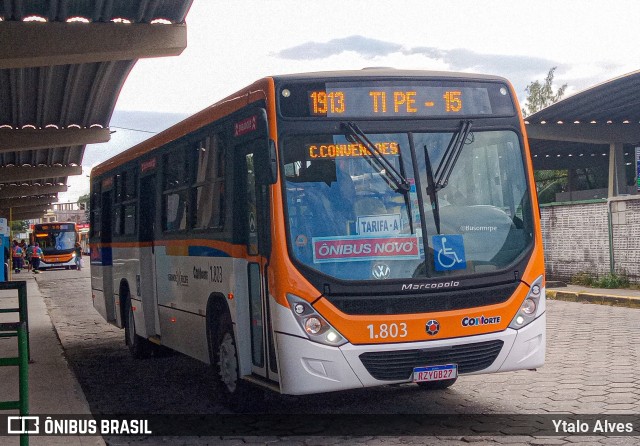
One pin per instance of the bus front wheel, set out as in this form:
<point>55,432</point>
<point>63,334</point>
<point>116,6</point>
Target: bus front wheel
<point>237,394</point>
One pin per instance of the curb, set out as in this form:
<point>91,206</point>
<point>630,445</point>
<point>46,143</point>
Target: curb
<point>599,299</point>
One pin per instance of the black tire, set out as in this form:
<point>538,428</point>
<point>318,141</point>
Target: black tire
<point>138,346</point>
<point>437,385</point>
<point>235,393</point>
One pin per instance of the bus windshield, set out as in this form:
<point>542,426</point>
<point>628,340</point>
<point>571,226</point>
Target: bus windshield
<point>56,241</point>
<point>348,221</point>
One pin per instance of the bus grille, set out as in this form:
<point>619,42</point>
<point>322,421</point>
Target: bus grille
<point>423,302</point>
<point>399,364</point>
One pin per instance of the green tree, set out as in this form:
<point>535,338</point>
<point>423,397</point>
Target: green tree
<point>541,94</point>
<point>19,226</point>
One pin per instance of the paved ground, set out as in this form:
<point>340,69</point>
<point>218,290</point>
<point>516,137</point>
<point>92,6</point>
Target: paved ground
<point>593,367</point>
<point>52,387</point>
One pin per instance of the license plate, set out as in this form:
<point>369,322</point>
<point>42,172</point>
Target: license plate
<point>435,373</point>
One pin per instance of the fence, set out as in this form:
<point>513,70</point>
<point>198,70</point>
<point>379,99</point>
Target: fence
<point>596,237</point>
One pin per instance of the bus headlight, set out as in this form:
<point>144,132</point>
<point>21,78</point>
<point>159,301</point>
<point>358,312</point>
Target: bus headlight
<point>528,306</point>
<point>531,308</point>
<point>314,325</point>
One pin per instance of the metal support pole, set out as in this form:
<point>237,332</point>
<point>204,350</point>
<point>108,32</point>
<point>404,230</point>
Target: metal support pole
<point>23,375</point>
<point>20,330</point>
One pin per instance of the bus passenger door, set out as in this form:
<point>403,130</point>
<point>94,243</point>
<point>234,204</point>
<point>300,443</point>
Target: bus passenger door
<point>146,281</point>
<point>257,236</point>
<point>102,264</point>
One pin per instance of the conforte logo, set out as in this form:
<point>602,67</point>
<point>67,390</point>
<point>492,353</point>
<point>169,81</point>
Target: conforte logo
<point>429,286</point>
<point>178,278</point>
<point>474,321</point>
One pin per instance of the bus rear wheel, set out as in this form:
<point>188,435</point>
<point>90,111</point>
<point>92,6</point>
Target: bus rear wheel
<point>235,393</point>
<point>437,385</point>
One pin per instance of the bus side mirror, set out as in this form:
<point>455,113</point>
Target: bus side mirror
<point>267,164</point>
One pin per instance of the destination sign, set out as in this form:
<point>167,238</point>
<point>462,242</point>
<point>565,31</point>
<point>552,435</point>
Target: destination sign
<point>56,227</point>
<point>349,150</point>
<point>400,100</point>
<point>395,99</point>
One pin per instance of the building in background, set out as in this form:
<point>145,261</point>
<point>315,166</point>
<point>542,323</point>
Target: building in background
<point>67,212</point>
<point>586,155</point>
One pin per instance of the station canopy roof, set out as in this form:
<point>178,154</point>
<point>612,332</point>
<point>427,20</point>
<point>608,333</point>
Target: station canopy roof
<point>577,131</point>
<point>62,66</point>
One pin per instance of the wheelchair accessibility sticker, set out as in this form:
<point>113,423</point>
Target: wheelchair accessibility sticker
<point>448,252</point>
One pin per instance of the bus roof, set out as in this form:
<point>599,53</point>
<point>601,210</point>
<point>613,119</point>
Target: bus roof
<point>230,104</point>
<point>386,72</point>
<point>257,91</point>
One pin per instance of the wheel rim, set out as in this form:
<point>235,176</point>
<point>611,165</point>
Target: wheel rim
<point>228,363</point>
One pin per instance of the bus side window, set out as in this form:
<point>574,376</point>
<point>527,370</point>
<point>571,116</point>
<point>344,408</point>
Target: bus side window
<point>176,189</point>
<point>209,194</point>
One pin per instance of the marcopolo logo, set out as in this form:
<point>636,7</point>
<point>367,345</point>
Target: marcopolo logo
<point>475,321</point>
<point>430,286</point>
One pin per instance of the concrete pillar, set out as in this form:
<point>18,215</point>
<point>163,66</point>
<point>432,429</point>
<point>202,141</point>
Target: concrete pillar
<point>617,171</point>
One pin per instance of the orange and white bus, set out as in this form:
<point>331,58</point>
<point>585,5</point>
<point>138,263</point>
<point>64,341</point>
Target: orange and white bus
<point>328,231</point>
<point>57,241</point>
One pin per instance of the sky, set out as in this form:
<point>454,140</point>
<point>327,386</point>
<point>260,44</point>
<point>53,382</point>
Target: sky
<point>233,43</point>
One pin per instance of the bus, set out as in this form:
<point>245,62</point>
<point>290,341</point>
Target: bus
<point>57,241</point>
<point>326,231</point>
<point>83,233</point>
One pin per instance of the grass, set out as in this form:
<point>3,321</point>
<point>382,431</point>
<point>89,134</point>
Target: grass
<point>607,281</point>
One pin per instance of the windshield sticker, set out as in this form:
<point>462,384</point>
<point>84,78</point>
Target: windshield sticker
<point>353,249</point>
<point>380,271</point>
<point>301,240</point>
<point>386,224</point>
<point>448,252</point>
<point>350,150</point>
<point>412,185</point>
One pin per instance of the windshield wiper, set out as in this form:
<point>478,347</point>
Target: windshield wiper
<point>450,156</point>
<point>394,179</point>
<point>440,179</point>
<point>432,191</point>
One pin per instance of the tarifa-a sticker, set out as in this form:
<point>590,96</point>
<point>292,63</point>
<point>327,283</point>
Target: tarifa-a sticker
<point>385,224</point>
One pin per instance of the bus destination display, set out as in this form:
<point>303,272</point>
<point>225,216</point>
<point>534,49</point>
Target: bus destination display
<point>398,101</point>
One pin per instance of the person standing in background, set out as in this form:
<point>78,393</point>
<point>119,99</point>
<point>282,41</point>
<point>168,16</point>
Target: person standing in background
<point>78,258</point>
<point>17,254</point>
<point>35,258</point>
<point>28,253</point>
<point>23,245</point>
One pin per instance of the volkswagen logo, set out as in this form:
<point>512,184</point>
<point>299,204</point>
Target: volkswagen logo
<point>381,271</point>
<point>433,327</point>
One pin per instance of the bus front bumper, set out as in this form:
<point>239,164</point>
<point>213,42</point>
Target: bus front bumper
<point>56,264</point>
<point>308,367</point>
